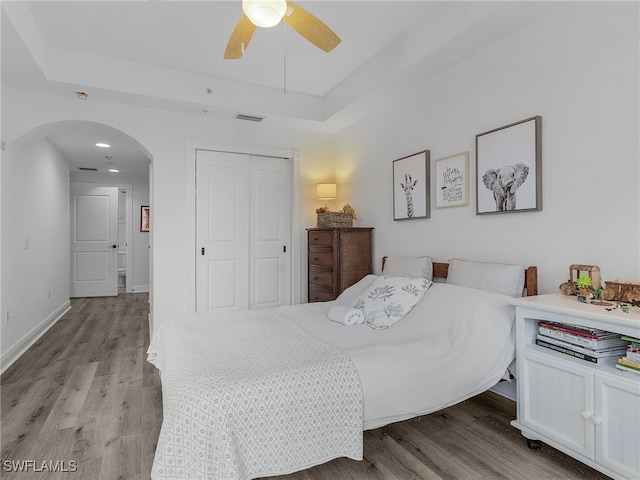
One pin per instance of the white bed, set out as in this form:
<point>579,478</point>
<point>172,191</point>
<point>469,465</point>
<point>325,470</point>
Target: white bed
<point>455,343</point>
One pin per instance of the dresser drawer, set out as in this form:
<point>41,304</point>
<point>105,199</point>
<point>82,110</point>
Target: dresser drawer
<point>321,258</point>
<point>321,278</point>
<point>321,239</point>
<point>336,259</point>
<point>317,295</point>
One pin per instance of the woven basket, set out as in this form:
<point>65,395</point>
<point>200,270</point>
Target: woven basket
<point>335,219</point>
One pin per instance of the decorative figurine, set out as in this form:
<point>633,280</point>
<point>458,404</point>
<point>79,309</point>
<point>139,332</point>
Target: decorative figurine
<point>621,291</point>
<point>584,284</point>
<point>591,271</point>
<point>350,210</point>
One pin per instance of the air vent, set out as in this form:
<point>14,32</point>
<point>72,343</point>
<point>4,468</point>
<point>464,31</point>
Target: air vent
<point>250,118</point>
<point>87,169</point>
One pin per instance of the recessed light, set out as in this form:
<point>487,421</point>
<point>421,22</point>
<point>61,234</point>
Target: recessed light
<point>103,145</point>
<point>114,170</point>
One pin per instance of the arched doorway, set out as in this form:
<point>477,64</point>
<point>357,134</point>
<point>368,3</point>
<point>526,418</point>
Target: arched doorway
<point>38,169</point>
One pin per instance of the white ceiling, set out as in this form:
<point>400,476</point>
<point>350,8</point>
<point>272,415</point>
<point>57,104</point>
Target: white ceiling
<point>168,54</point>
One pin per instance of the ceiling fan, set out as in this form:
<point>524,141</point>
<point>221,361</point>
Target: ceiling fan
<point>268,13</point>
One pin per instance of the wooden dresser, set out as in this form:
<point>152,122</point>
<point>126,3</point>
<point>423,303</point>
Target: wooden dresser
<point>337,258</point>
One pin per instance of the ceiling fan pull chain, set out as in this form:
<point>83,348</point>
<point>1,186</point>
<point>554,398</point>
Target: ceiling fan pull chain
<point>242,27</point>
<point>284,58</point>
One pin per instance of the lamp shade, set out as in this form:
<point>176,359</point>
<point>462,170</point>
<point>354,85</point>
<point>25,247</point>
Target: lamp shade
<point>264,13</point>
<point>326,191</point>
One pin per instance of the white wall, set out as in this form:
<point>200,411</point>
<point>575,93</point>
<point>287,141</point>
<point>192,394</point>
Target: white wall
<point>139,279</point>
<point>165,135</point>
<point>35,244</point>
<point>577,68</point>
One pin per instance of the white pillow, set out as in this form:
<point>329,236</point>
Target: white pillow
<point>349,294</point>
<point>492,277</point>
<point>389,299</point>
<point>411,267</point>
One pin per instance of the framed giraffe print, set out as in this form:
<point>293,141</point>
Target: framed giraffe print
<point>411,187</point>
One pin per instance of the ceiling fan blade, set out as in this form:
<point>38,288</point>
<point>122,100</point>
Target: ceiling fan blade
<point>240,38</point>
<point>311,28</point>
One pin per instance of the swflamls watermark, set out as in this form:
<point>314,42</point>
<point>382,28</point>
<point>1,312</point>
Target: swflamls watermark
<point>39,466</point>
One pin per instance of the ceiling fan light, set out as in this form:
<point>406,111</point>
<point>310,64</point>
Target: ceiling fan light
<point>264,13</point>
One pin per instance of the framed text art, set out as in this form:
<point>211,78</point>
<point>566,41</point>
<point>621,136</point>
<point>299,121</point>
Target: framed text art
<point>144,218</point>
<point>509,168</point>
<point>452,180</point>
<point>411,187</point>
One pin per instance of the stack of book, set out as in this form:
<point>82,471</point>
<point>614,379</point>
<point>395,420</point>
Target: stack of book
<point>631,361</point>
<point>589,344</point>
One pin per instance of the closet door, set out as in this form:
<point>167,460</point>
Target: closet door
<point>242,229</point>
<point>270,232</point>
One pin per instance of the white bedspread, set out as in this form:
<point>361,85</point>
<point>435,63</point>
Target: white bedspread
<point>249,394</point>
<point>456,343</point>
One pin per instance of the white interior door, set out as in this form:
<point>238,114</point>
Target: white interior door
<point>222,233</point>
<point>94,241</point>
<point>242,243</point>
<point>270,230</point>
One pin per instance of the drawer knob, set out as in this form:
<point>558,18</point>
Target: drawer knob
<point>596,420</point>
<point>586,414</point>
<point>315,278</point>
<point>315,239</point>
<point>315,258</point>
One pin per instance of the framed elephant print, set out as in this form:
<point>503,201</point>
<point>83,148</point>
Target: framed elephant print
<point>509,168</point>
<point>411,189</point>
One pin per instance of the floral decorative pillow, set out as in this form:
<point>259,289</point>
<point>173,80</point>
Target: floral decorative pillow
<point>389,299</point>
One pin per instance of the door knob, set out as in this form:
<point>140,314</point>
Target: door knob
<point>114,246</point>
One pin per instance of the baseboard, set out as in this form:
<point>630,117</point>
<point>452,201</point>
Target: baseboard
<point>138,289</point>
<point>14,352</point>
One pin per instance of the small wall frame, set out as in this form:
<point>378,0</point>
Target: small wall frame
<point>411,187</point>
<point>452,180</point>
<point>145,222</point>
<point>509,168</point>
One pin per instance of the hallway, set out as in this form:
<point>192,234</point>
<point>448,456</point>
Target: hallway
<point>84,397</point>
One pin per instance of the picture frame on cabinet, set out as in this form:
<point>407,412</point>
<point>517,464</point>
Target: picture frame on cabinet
<point>411,186</point>
<point>452,180</point>
<point>145,222</point>
<point>509,168</point>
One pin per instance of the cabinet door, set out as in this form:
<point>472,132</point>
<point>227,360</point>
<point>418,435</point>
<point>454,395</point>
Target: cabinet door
<point>617,416</point>
<point>556,397</point>
<point>354,257</point>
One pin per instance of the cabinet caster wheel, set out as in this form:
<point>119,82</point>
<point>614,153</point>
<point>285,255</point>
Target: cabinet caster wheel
<point>534,444</point>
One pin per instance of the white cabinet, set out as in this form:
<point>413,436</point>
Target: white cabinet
<point>589,411</point>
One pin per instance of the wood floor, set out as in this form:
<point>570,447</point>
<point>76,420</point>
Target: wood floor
<point>84,397</point>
